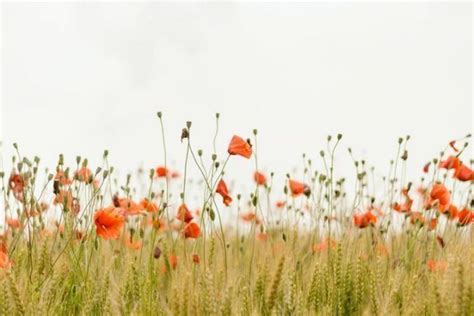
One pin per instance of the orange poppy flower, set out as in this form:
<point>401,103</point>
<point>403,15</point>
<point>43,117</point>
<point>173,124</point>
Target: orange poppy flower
<point>250,217</point>
<point>323,245</point>
<point>465,217</point>
<point>67,201</point>
<point>452,162</point>
<point>148,205</point>
<point>5,262</point>
<point>62,178</point>
<point>184,214</point>
<point>128,206</point>
<point>196,259</point>
<point>407,204</point>
<point>417,218</point>
<point>191,230</point>
<point>441,194</point>
<point>16,184</point>
<point>108,222</point>
<point>13,223</point>
<point>83,174</point>
<point>262,236</point>
<point>437,265</point>
<point>238,146</point>
<point>464,173</point>
<point>280,204</point>
<point>222,190</point>
<point>173,261</point>
<point>132,244</point>
<point>259,178</point>
<point>365,219</point>
<point>433,223</point>
<point>161,172</point>
<point>298,188</point>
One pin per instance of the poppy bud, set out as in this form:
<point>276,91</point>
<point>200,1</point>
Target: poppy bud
<point>188,124</point>
<point>159,114</point>
<point>339,136</point>
<point>405,155</point>
<point>199,152</point>
<point>255,131</point>
<point>78,159</point>
<point>400,140</point>
<point>217,115</point>
<point>329,138</point>
<point>321,153</point>
<point>157,252</point>
<point>214,157</point>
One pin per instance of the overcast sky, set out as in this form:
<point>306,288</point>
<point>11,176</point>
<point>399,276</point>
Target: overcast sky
<point>80,78</point>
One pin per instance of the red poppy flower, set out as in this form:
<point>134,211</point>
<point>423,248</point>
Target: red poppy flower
<point>298,188</point>
<point>83,174</point>
<point>238,146</point>
<point>148,205</point>
<point>365,219</point>
<point>13,223</point>
<point>407,204</point>
<point>62,178</point>
<point>437,265</point>
<point>128,206</point>
<point>173,259</point>
<point>259,178</point>
<point>196,259</point>
<point>280,204</point>
<point>108,222</point>
<point>184,214</point>
<point>16,183</point>
<point>465,217</point>
<point>464,173</point>
<point>250,217</point>
<point>191,230</point>
<point>222,190</point>
<point>67,201</point>
<point>161,172</point>
<point>441,194</point>
<point>452,162</point>
<point>5,262</point>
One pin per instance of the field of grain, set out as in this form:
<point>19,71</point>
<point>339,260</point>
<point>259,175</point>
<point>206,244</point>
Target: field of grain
<point>76,241</point>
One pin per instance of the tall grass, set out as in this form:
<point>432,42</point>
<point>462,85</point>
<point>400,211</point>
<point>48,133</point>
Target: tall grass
<point>323,250</point>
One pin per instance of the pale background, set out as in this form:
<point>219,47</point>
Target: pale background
<point>79,78</point>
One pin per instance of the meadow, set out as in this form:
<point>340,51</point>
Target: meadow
<point>77,241</point>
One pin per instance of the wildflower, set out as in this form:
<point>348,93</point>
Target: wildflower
<point>132,244</point>
<point>437,265</point>
<point>184,214</point>
<point>407,204</point>
<point>108,222</point>
<point>280,204</point>
<point>298,188</point>
<point>365,219</point>
<point>173,259</point>
<point>175,174</point>
<point>68,202</point>
<point>452,162</point>
<point>323,245</point>
<point>161,172</point>
<point>465,217</point>
<point>441,194</point>
<point>61,178</point>
<point>83,174</point>
<point>238,146</point>
<point>149,206</point>
<point>128,206</point>
<point>5,262</point>
<point>417,218</point>
<point>262,236</point>
<point>464,173</point>
<point>222,190</point>
<point>196,259</point>
<point>13,223</point>
<point>16,183</point>
<point>259,178</point>
<point>191,230</point>
<point>250,217</point>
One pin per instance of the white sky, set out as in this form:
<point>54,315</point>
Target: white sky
<point>79,78</point>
